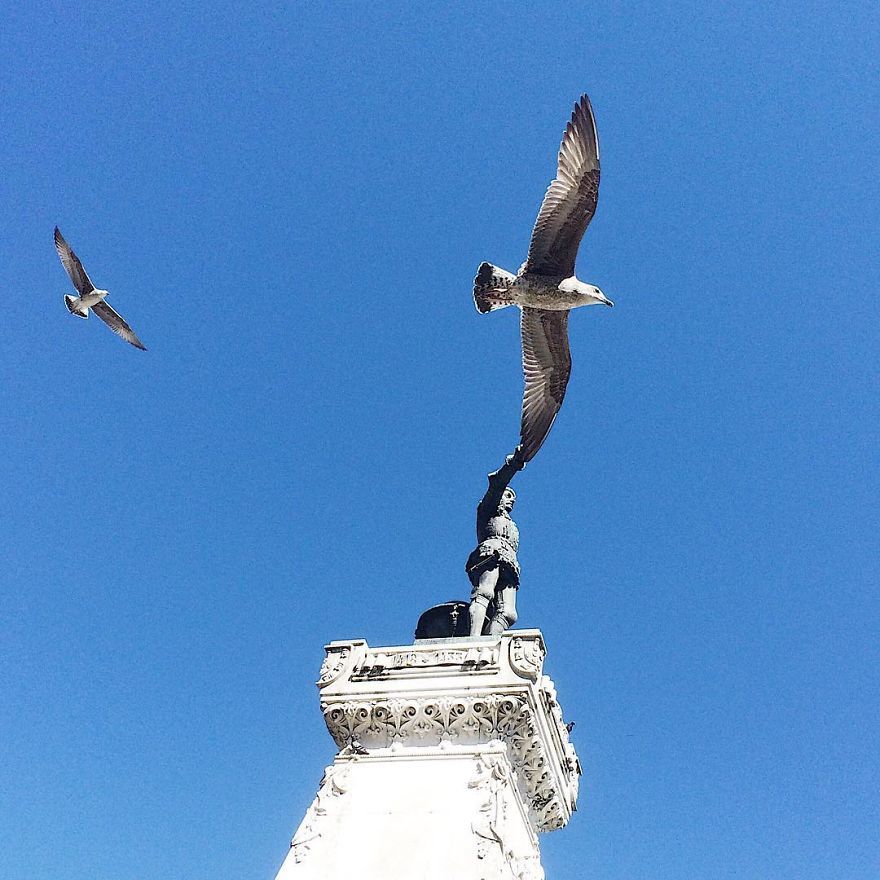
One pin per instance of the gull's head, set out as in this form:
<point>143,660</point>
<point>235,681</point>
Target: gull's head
<point>595,296</point>
<point>588,294</point>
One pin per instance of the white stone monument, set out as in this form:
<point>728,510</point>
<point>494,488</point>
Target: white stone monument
<point>453,757</point>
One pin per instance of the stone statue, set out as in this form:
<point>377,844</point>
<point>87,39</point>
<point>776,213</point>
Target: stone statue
<point>492,567</point>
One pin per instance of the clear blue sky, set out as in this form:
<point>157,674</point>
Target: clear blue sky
<point>288,202</point>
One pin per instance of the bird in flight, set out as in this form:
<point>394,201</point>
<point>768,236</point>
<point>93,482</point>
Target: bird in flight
<point>545,288</point>
<point>90,297</point>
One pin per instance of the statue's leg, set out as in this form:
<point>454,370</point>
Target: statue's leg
<point>505,617</point>
<point>482,594</point>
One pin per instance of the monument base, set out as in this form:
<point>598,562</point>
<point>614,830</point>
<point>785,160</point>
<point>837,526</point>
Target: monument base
<point>453,757</point>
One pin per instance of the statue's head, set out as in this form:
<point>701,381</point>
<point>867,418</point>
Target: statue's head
<point>508,499</point>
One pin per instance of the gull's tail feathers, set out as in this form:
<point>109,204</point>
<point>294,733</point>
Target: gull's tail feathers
<point>491,288</point>
<point>71,303</point>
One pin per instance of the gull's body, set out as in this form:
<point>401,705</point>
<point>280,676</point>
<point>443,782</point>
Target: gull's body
<point>90,297</point>
<point>546,288</point>
<point>80,305</point>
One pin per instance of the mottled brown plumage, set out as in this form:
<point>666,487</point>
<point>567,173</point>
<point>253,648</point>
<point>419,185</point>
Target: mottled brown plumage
<point>570,200</point>
<point>545,288</point>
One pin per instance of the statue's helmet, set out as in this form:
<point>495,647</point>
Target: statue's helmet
<point>508,498</point>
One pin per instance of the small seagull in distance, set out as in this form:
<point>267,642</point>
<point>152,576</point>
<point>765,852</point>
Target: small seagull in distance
<point>90,297</point>
<point>545,288</point>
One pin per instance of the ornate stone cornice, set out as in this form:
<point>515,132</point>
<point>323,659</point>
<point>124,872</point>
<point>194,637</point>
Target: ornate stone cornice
<point>464,693</point>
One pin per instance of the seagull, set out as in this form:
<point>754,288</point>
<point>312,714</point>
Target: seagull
<point>90,297</point>
<point>545,288</point>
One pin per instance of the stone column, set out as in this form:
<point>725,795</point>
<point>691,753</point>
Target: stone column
<point>453,757</point>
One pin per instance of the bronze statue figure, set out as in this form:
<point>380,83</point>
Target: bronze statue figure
<point>492,567</point>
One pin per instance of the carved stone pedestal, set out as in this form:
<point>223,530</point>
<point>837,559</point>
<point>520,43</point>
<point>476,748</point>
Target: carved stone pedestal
<point>453,757</point>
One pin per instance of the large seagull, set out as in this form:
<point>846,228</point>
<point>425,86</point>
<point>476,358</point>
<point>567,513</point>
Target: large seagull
<point>545,288</point>
<point>90,297</point>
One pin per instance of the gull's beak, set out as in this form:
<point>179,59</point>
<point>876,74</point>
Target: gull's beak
<point>608,303</point>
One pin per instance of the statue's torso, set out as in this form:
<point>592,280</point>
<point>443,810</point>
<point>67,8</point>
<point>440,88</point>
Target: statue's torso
<point>498,539</point>
<point>500,527</point>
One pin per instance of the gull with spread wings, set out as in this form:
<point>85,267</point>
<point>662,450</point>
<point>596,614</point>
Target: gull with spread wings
<point>90,297</point>
<point>545,288</point>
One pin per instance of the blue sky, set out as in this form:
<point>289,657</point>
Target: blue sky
<point>288,203</point>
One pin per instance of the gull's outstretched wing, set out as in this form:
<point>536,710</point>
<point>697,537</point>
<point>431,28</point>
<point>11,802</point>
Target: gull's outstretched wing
<point>570,201</point>
<point>117,323</point>
<point>74,267</point>
<point>546,368</point>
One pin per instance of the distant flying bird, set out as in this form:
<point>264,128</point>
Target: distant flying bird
<point>545,288</point>
<point>90,297</point>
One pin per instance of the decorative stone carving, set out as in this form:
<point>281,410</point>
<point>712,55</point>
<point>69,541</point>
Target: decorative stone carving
<point>333,784</point>
<point>527,657</point>
<point>492,776</point>
<point>334,662</point>
<point>493,780</point>
<point>460,740</point>
<point>572,764</point>
<point>428,721</point>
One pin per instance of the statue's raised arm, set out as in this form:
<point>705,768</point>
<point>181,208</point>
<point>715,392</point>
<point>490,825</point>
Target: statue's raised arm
<point>499,481</point>
<point>492,567</point>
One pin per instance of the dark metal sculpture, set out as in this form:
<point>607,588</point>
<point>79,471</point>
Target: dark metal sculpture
<point>492,567</point>
<point>446,621</point>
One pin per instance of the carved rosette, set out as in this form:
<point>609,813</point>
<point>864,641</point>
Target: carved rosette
<point>527,657</point>
<point>334,663</point>
<point>429,721</point>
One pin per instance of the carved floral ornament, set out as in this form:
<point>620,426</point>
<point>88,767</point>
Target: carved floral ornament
<point>428,721</point>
